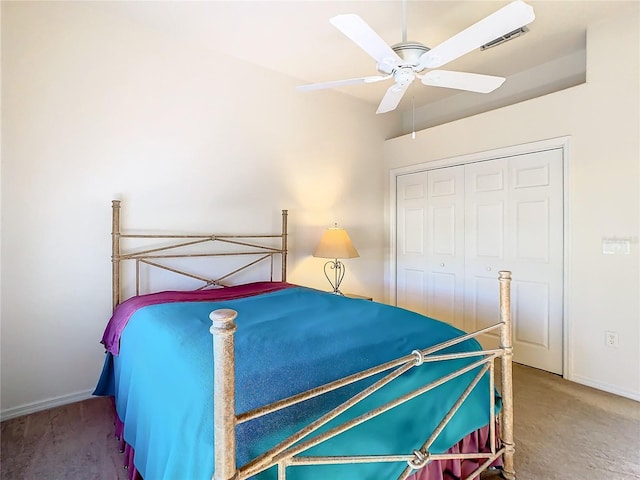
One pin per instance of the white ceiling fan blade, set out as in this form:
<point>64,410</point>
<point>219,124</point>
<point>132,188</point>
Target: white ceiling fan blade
<point>507,19</point>
<point>366,38</point>
<point>341,83</point>
<point>473,82</point>
<point>392,98</point>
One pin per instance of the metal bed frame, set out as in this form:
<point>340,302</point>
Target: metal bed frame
<point>287,453</point>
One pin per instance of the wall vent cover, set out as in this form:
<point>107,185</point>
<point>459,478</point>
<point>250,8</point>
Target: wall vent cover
<point>505,38</point>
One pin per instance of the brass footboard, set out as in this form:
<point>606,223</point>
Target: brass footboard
<point>286,453</point>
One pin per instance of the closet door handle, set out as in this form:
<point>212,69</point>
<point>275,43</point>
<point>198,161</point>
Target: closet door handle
<point>442,265</point>
<point>488,269</point>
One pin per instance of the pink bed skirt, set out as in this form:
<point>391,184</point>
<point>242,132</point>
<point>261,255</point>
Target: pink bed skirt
<point>477,441</point>
<point>126,449</point>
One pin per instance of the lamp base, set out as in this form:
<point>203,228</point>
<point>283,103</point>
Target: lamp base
<point>338,274</point>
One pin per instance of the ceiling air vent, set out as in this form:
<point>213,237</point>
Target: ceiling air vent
<point>505,38</point>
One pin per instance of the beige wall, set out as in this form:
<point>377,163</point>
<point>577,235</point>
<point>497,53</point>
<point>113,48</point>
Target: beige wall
<point>96,107</point>
<point>602,117</point>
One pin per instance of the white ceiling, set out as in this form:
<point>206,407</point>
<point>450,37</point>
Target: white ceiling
<point>295,37</point>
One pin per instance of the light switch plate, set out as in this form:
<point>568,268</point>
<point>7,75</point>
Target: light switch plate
<point>616,246</point>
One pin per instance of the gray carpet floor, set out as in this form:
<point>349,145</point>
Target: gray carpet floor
<point>562,430</point>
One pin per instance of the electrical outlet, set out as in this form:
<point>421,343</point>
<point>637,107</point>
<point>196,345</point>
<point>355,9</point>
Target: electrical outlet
<point>611,339</point>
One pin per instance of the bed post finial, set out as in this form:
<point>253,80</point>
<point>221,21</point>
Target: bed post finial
<point>284,244</point>
<point>507,375</point>
<point>224,403</point>
<point>115,253</point>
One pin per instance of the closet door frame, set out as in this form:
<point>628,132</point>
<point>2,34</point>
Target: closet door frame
<point>563,143</point>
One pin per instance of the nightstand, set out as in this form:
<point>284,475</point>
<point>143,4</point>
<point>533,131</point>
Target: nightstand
<point>353,295</point>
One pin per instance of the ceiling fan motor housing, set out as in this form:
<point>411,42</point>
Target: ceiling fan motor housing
<point>410,53</point>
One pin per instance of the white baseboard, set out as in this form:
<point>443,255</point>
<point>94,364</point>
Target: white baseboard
<point>44,405</point>
<point>633,395</point>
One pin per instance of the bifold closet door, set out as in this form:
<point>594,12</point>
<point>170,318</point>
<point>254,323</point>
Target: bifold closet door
<point>514,221</point>
<point>457,227</point>
<point>430,243</point>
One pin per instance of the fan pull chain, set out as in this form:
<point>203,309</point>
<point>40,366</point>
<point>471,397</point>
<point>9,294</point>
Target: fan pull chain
<point>413,120</point>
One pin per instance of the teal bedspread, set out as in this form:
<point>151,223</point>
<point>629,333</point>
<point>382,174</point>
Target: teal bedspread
<point>287,341</point>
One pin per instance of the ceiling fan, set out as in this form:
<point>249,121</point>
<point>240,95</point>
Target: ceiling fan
<point>406,61</point>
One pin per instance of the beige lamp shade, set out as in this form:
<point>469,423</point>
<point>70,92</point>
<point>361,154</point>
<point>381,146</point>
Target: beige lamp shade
<point>335,243</point>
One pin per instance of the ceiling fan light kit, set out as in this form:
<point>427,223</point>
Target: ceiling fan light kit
<point>406,61</point>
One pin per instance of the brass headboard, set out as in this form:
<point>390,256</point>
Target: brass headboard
<point>250,245</point>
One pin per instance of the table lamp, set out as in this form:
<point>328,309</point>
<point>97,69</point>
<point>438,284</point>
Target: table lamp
<point>335,243</point>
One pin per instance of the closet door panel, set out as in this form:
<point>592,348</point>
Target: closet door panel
<point>411,241</point>
<point>486,215</point>
<point>531,302</point>
<point>481,302</point>
<point>445,245</point>
<point>536,258</point>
